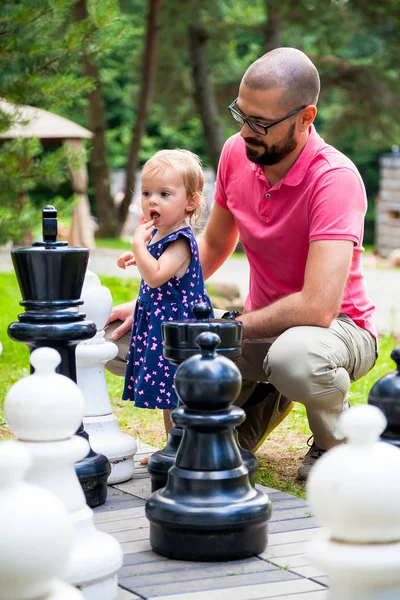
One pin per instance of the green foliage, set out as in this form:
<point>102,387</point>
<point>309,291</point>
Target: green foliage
<point>40,46</point>
<point>353,43</point>
<point>23,166</point>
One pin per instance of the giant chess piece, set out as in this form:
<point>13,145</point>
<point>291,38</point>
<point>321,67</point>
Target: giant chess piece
<point>50,276</point>
<point>179,343</point>
<point>208,510</point>
<point>91,355</point>
<point>385,394</point>
<point>354,493</point>
<point>46,429</point>
<point>36,534</point>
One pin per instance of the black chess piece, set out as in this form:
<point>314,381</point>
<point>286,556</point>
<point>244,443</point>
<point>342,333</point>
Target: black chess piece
<point>50,277</point>
<point>179,343</point>
<point>208,510</point>
<point>385,394</point>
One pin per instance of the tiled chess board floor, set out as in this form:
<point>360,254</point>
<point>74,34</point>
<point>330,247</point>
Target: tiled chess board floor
<point>283,571</point>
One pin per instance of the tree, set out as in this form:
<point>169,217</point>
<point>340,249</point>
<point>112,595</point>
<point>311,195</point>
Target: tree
<point>39,48</point>
<point>148,76</point>
<point>204,94</point>
<point>104,203</point>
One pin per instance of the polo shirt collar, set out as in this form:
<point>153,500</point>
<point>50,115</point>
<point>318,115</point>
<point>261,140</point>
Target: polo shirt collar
<point>296,174</point>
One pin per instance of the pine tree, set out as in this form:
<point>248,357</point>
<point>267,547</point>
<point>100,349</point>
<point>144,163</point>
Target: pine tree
<point>40,47</point>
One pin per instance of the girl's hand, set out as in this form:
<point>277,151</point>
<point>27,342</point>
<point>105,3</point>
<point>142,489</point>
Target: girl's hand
<point>143,233</point>
<point>126,260</point>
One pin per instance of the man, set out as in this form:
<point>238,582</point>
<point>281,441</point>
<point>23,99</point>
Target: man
<point>298,206</point>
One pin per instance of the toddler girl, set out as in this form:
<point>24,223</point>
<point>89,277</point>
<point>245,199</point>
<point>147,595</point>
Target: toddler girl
<point>165,252</point>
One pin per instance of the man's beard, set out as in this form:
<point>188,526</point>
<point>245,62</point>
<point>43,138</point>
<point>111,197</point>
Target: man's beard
<point>274,154</point>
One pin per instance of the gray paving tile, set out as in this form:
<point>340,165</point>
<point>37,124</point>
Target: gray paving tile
<point>287,503</point>
<point>119,515</point>
<point>322,580</point>
<point>168,565</point>
<point>134,522</point>
<point>137,487</point>
<point>132,535</point>
<point>303,535</point>
<point>276,495</point>
<point>125,595</point>
<point>170,585</point>
<point>291,513</point>
<point>291,562</point>
<point>284,550</point>
<point>133,547</point>
<point>143,557</point>
<point>291,525</point>
<point>186,572</point>
<point>251,591</point>
<point>128,502</point>
<point>310,571</point>
<point>317,595</point>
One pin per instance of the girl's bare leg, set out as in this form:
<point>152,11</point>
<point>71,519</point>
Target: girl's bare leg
<point>168,426</point>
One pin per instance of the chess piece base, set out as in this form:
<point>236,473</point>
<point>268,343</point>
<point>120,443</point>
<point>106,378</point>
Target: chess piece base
<point>106,438</point>
<point>203,545</point>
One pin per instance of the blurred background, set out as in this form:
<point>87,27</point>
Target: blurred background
<point>141,75</point>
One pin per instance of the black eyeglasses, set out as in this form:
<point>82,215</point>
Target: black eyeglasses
<point>254,125</point>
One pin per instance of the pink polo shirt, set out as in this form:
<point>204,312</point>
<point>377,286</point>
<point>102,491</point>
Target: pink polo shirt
<point>322,197</point>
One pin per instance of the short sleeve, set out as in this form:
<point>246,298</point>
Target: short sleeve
<point>337,207</point>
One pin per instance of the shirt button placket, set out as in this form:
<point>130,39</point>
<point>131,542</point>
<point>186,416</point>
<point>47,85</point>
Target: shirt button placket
<point>268,207</point>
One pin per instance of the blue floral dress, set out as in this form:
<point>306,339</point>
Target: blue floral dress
<point>149,378</point>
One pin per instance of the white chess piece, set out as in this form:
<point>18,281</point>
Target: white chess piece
<point>91,356</point>
<point>36,534</point>
<point>354,493</point>
<point>43,411</point>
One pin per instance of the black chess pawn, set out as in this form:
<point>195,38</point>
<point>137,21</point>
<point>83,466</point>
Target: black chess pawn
<point>179,343</point>
<point>385,394</point>
<point>50,277</point>
<point>208,510</point>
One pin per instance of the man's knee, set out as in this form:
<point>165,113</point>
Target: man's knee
<point>287,366</point>
<point>301,368</point>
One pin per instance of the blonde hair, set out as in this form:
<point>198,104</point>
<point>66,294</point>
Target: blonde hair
<point>189,167</point>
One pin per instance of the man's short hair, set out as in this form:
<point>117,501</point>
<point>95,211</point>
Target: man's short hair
<point>289,69</point>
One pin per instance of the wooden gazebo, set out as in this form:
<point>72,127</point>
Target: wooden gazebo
<point>32,122</point>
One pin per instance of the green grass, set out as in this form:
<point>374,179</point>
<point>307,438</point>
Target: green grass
<point>145,424</point>
<point>113,243</point>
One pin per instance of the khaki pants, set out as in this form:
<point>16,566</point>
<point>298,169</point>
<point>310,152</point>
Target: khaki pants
<point>311,365</point>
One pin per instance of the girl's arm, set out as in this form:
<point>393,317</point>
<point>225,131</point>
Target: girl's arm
<point>157,272</point>
<point>126,260</point>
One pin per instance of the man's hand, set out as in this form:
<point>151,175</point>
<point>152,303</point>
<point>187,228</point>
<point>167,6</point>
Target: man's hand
<point>124,313</point>
<point>126,260</point>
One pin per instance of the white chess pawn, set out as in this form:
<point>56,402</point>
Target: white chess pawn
<point>354,493</point>
<point>43,411</point>
<point>91,356</point>
<point>36,534</point>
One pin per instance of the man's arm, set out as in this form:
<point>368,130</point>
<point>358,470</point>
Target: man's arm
<point>218,240</point>
<point>318,303</point>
